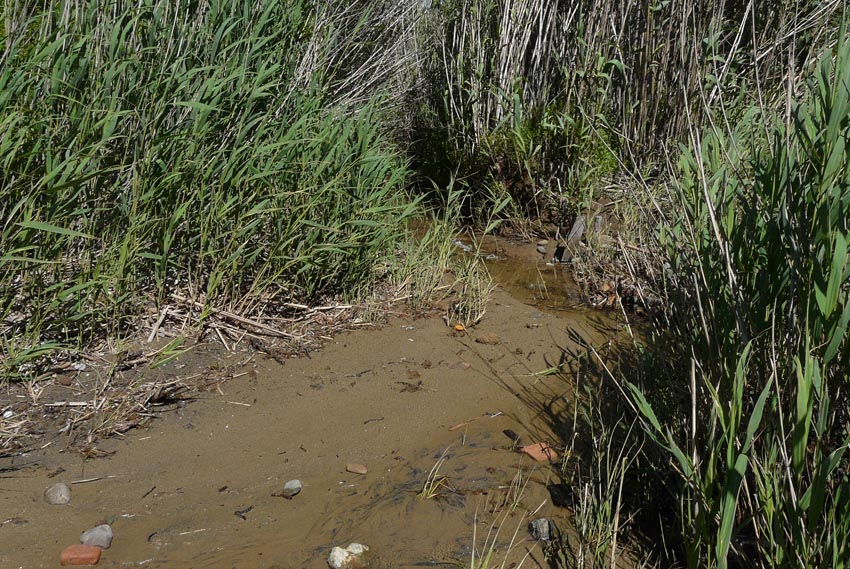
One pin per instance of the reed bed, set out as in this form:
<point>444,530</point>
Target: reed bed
<point>234,153</point>
<point>760,251</point>
<point>247,169</point>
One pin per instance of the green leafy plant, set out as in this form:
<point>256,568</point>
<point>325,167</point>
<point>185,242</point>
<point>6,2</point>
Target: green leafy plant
<point>762,248</point>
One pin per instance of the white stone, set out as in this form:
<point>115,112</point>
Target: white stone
<point>59,494</point>
<point>352,557</point>
<point>357,549</point>
<point>339,557</point>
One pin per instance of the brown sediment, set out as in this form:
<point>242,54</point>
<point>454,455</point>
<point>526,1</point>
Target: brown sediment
<point>195,487</point>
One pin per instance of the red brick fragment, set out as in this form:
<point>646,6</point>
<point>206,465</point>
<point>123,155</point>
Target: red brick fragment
<point>80,555</point>
<point>541,452</point>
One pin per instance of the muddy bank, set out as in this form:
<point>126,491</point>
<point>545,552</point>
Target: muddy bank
<point>195,488</point>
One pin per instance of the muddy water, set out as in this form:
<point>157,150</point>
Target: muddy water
<point>524,273</point>
<point>195,489</point>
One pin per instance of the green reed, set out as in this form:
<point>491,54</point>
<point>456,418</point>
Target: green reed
<point>760,253</point>
<point>208,149</point>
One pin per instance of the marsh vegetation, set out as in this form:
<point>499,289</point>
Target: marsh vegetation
<point>250,160</point>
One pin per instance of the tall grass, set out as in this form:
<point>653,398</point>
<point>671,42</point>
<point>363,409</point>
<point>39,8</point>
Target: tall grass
<point>543,100</point>
<point>230,151</point>
<point>760,252</point>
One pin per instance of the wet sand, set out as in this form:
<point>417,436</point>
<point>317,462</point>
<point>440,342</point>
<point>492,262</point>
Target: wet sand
<point>195,488</point>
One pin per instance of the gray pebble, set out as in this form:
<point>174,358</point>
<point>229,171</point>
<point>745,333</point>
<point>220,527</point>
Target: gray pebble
<point>291,488</point>
<point>100,536</point>
<point>59,494</point>
<point>541,249</point>
<point>542,529</point>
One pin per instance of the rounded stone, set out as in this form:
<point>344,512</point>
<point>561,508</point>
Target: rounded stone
<point>101,536</point>
<point>291,488</point>
<point>59,494</point>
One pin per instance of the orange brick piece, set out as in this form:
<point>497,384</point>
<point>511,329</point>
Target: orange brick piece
<point>540,452</point>
<point>80,555</point>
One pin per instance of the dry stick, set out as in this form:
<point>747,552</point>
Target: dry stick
<point>317,308</point>
<point>236,318</point>
<point>85,480</point>
<point>221,337</point>
<point>159,322</point>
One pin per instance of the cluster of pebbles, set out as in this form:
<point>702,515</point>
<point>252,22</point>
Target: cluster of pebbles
<point>92,541</point>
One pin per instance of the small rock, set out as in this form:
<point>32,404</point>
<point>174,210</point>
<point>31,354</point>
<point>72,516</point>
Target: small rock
<point>291,488</point>
<point>7,414</point>
<point>558,257</point>
<point>79,366</point>
<point>352,557</point>
<point>543,242</point>
<point>490,339</point>
<point>561,495</point>
<point>541,249</point>
<point>65,379</point>
<point>59,494</point>
<point>541,452</point>
<point>80,555</point>
<point>356,468</point>
<point>542,529</point>
<point>101,536</point>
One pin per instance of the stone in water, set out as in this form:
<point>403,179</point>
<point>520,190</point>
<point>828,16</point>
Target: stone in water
<point>100,536</point>
<point>291,488</point>
<point>490,339</point>
<point>541,529</point>
<point>356,468</point>
<point>59,494</point>
<point>352,557</point>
